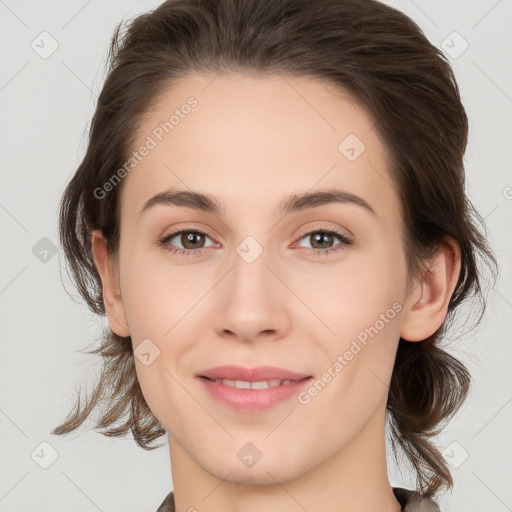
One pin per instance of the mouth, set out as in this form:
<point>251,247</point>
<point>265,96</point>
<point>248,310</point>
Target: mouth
<point>257,374</point>
<point>252,390</point>
<point>261,384</point>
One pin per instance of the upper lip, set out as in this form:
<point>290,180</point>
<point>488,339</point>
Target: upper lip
<point>260,373</point>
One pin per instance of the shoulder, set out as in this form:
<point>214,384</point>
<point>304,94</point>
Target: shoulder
<point>413,501</point>
<point>168,504</point>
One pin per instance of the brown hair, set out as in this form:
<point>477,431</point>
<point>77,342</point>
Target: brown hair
<point>389,67</point>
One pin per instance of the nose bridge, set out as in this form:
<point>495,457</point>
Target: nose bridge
<point>251,299</point>
<point>251,278</point>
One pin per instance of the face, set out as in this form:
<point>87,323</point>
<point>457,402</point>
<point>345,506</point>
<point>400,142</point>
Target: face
<point>317,287</point>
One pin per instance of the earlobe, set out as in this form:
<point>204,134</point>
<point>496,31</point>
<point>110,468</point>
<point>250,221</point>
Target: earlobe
<point>427,308</point>
<point>111,294</point>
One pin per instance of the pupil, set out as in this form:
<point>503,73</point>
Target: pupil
<point>189,238</point>
<point>322,235</point>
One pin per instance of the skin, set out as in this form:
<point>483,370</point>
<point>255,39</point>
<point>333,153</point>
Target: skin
<point>252,142</point>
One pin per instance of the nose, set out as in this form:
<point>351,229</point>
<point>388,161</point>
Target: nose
<point>252,302</point>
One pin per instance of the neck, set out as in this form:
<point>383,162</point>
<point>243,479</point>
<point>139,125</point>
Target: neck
<point>353,479</point>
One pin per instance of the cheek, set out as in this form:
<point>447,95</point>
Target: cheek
<point>363,314</point>
<point>157,294</point>
<point>361,304</point>
<point>352,296</point>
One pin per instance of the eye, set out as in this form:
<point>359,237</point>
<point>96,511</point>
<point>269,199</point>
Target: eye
<point>325,237</point>
<point>193,241</point>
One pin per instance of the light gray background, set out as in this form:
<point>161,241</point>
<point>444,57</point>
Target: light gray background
<point>46,105</point>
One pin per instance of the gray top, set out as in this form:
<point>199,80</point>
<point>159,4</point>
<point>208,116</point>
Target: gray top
<point>411,501</point>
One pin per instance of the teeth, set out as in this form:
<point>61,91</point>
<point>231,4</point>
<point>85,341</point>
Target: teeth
<point>244,384</point>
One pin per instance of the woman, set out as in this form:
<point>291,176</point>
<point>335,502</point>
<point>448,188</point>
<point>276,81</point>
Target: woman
<point>271,213</point>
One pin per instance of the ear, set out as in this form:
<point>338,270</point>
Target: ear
<point>427,306</point>
<point>110,284</point>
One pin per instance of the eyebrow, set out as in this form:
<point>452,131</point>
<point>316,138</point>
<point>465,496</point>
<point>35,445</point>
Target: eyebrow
<point>296,202</point>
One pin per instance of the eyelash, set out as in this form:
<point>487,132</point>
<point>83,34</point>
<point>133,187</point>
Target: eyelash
<point>165,242</point>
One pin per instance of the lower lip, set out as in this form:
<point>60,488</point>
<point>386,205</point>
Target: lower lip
<point>253,400</point>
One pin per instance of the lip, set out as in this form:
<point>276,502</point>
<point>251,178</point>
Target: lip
<point>234,372</point>
<point>252,400</point>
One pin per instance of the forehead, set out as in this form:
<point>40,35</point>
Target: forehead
<point>253,140</point>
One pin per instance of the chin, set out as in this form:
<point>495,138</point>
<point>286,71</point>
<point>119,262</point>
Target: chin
<point>262,473</point>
